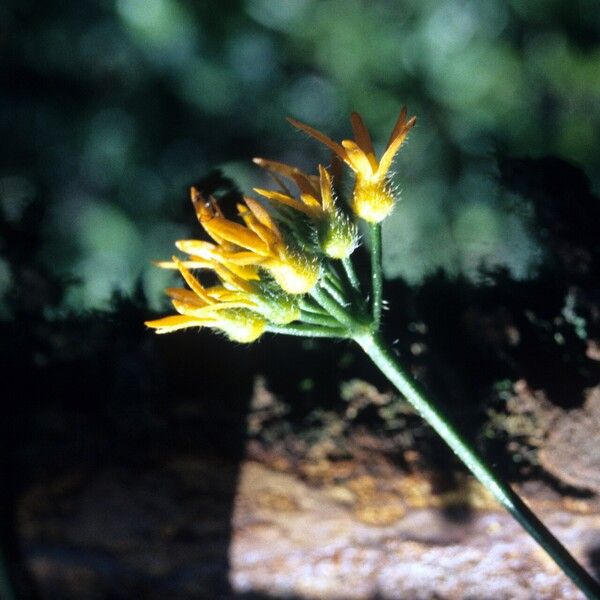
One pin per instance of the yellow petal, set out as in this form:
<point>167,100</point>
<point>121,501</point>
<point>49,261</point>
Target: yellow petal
<point>208,313</point>
<point>313,206</point>
<point>363,138</point>
<point>173,323</point>
<point>196,263</point>
<point>397,138</point>
<point>284,199</point>
<point>357,159</point>
<point>326,191</point>
<point>244,259</point>
<point>260,222</point>
<point>198,247</point>
<point>237,234</point>
<point>184,295</point>
<point>227,275</point>
<point>278,167</point>
<point>248,272</point>
<point>204,208</point>
<point>306,183</point>
<point>196,286</point>
<point>260,213</point>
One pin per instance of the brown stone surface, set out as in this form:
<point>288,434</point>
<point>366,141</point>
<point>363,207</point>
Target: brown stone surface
<point>571,451</point>
<point>291,538</point>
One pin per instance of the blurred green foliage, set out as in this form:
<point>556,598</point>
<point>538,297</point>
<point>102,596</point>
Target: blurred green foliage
<point>111,109</point>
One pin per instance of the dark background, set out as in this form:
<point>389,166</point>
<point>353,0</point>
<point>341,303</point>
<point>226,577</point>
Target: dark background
<point>111,110</point>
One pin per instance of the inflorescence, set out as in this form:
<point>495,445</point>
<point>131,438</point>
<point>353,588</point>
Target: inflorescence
<point>277,265</point>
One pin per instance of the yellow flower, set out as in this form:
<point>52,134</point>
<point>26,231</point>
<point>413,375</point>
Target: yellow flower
<point>372,199</point>
<point>232,311</point>
<point>258,242</point>
<point>337,235</point>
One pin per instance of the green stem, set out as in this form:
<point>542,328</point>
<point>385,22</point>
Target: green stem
<point>351,273</point>
<point>333,276</point>
<point>334,292</point>
<point>317,319</point>
<point>312,307</point>
<point>333,308</point>
<point>385,360</point>
<point>376,272</point>
<point>304,330</point>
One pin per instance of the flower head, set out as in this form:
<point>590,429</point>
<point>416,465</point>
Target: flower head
<point>233,311</point>
<point>271,266</point>
<point>337,235</point>
<point>372,199</point>
<point>258,242</point>
<point>245,301</point>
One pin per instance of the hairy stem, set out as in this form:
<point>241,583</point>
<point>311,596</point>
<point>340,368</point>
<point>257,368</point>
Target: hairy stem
<point>376,273</point>
<point>306,330</point>
<point>335,309</point>
<point>351,273</point>
<point>310,306</point>
<point>334,292</point>
<point>317,319</point>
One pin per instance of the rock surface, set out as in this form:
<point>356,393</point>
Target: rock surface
<point>291,539</point>
<point>165,532</point>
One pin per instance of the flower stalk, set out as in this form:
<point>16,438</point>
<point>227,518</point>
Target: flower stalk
<point>351,274</point>
<point>376,273</point>
<point>277,273</point>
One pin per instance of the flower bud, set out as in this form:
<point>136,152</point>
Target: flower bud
<point>337,235</point>
<point>241,325</point>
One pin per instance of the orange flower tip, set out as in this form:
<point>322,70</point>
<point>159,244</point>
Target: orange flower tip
<point>170,323</point>
<point>195,194</point>
<point>166,264</point>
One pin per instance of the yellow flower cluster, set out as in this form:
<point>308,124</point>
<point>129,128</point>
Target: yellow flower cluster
<point>266,261</point>
<point>244,303</point>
